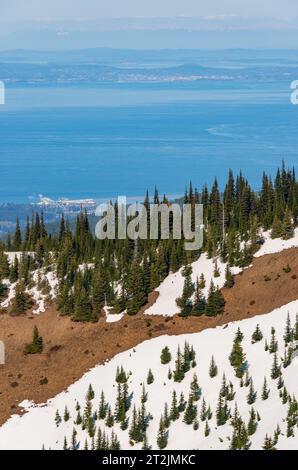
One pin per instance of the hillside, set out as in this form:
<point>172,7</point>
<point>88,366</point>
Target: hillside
<point>278,411</point>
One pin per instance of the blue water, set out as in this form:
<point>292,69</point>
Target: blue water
<point>123,139</point>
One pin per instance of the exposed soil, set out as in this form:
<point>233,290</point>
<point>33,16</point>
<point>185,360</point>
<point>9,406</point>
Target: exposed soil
<point>73,348</point>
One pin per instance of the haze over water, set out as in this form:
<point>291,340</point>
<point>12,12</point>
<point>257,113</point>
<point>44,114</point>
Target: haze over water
<point>99,138</point>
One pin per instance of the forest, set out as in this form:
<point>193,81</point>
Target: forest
<point>92,273</point>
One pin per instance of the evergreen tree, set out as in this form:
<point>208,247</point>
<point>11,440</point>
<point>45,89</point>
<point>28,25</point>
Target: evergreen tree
<point>199,302</point>
<point>252,424</point>
<point>162,437</point>
<point>36,346</point>
<point>203,413</point>
<point>90,393</point>
<point>275,370</point>
<point>257,335</point>
<point>287,230</point>
<point>207,429</point>
<point>182,403</point>
<point>179,373</point>
<point>288,336</point>
<point>110,418</point>
<point>273,347</point>
<point>57,419</point>
<point>229,282</point>
<point>150,377</point>
<point>265,390</point>
<point>268,444</point>
<point>237,357</point>
<point>190,411</point>
<point>174,412</point>
<point>215,301</point>
<point>102,411</point>
<point>213,370</point>
<point>17,239</point>
<point>195,389</point>
<point>165,355</point>
<point>277,229</point>
<point>66,415</point>
<point>65,445</point>
<point>184,302</point>
<point>21,301</point>
<point>252,395</point>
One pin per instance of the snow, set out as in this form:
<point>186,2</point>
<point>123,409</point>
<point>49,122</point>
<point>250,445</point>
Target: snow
<point>37,426</point>
<point>37,296</point>
<point>84,267</point>
<point>112,317</point>
<point>277,244</point>
<point>11,293</point>
<point>172,286</point>
<point>12,254</point>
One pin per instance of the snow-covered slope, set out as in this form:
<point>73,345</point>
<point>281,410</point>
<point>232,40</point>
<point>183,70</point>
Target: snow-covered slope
<point>172,286</point>
<point>277,244</point>
<point>37,427</point>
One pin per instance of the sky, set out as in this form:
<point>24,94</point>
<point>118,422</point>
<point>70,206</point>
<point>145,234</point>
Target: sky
<point>48,10</point>
<point>72,24</point>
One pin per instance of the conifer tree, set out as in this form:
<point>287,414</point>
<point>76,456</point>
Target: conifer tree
<point>174,412</point>
<point>166,416</point>
<point>17,239</point>
<point>252,395</point>
<point>102,411</point>
<point>36,346</point>
<point>215,301</point>
<point>90,393</point>
<point>229,278</point>
<point>146,445</point>
<point>287,230</point>
<point>202,282</point>
<point>257,335</point>
<point>110,418</point>
<point>207,429</point>
<point>66,415</point>
<point>295,333</point>
<point>150,377</point>
<point>275,370</point>
<point>213,369</point>
<point>190,411</point>
<point>182,403</point>
<point>179,373</point>
<point>252,424</point>
<point>21,301</point>
<point>277,229</point>
<point>195,388</point>
<point>57,419</point>
<point>184,302</point>
<point>222,411</point>
<point>144,396</point>
<point>273,347</point>
<point>268,444</point>
<point>199,302</point>
<point>203,413</point>
<point>165,355</point>
<point>265,390</point>
<point>162,437</point>
<point>288,336</point>
<point>237,357</point>
<point>121,376</point>
<point>74,440</point>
